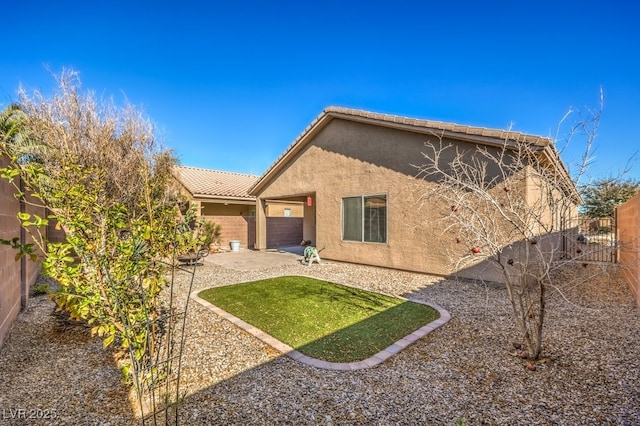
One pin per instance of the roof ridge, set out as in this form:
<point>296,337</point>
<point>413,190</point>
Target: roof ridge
<point>216,170</point>
<point>391,120</point>
<point>423,122</point>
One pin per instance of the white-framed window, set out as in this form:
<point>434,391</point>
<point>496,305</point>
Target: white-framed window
<point>364,218</point>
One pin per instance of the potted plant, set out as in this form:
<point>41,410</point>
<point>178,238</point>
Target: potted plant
<point>211,232</point>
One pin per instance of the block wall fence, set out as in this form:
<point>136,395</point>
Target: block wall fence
<point>16,277</point>
<point>281,231</point>
<point>628,236</point>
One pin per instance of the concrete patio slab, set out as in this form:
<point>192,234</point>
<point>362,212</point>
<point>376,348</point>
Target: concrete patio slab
<point>247,260</point>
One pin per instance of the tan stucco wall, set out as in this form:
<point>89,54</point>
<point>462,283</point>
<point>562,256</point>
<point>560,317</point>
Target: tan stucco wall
<point>219,209</point>
<point>352,159</point>
<point>309,221</point>
<point>347,159</point>
<point>276,209</point>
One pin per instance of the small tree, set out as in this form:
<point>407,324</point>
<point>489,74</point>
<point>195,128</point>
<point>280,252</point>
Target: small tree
<point>602,196</point>
<point>509,203</point>
<point>107,182</point>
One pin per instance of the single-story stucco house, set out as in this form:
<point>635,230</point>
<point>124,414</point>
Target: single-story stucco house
<point>223,198</point>
<point>216,192</point>
<point>354,172</point>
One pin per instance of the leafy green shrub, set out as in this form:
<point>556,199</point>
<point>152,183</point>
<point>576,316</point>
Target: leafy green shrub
<point>100,172</point>
<point>210,232</point>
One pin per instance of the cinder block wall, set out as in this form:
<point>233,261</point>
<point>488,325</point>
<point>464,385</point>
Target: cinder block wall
<point>55,234</point>
<point>284,231</point>
<point>628,235</point>
<point>281,231</point>
<point>234,228</point>
<point>32,269</point>
<point>10,270</point>
<point>16,277</point>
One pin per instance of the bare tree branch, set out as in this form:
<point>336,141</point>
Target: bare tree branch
<point>509,203</point>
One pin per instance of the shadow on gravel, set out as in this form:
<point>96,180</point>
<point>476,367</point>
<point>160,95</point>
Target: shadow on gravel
<point>462,372</point>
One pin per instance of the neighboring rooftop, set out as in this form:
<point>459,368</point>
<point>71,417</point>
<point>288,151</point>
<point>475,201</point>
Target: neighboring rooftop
<point>215,183</point>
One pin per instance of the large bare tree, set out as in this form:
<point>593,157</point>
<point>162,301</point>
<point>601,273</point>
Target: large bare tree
<point>507,205</point>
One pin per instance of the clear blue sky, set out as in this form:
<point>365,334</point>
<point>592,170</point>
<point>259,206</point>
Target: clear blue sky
<point>231,84</point>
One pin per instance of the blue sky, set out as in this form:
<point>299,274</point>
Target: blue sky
<point>230,85</point>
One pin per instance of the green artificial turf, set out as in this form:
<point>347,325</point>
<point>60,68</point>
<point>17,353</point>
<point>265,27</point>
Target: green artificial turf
<point>323,320</point>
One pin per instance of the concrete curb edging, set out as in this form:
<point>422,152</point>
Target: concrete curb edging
<point>376,359</point>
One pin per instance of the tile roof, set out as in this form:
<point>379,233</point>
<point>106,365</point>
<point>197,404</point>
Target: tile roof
<point>434,125</point>
<point>479,134</point>
<point>215,183</point>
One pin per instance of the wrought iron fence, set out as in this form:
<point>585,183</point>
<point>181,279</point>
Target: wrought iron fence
<point>590,240</point>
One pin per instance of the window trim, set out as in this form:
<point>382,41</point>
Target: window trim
<point>362,210</point>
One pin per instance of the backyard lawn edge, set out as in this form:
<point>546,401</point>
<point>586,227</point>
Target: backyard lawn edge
<point>287,350</point>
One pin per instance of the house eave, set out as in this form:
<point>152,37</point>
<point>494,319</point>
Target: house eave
<point>224,199</point>
<point>313,129</point>
<point>477,135</point>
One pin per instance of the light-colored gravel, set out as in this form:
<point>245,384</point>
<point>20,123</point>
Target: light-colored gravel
<point>463,373</point>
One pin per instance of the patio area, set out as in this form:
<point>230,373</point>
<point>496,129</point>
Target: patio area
<point>247,260</point>
<point>465,371</point>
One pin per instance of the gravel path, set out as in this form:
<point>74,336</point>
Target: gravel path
<point>462,373</point>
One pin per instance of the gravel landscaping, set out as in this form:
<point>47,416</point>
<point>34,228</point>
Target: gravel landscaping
<point>465,372</point>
